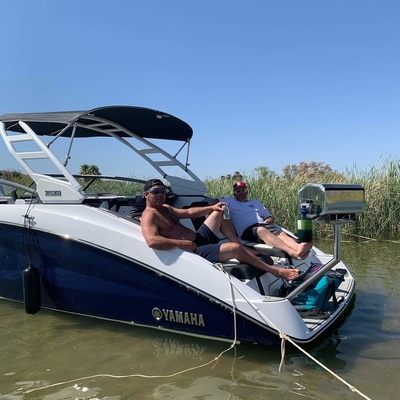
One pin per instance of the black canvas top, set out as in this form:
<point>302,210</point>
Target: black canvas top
<point>144,122</point>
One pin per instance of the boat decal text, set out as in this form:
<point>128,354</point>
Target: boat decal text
<point>52,193</point>
<point>178,316</point>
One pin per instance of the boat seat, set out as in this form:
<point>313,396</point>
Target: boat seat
<point>268,250</point>
<point>242,271</point>
<point>6,200</point>
<point>245,272</point>
<point>170,198</point>
<point>123,206</point>
<point>197,221</point>
<point>272,251</point>
<point>114,204</point>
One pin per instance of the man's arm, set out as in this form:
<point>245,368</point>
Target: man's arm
<point>268,219</point>
<point>197,212</point>
<point>266,214</point>
<point>151,234</point>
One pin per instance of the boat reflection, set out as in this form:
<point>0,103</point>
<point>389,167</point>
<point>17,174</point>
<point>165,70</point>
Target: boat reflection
<point>170,346</point>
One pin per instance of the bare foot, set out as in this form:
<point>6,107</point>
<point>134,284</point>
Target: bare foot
<point>304,250</point>
<point>305,255</point>
<point>295,256</point>
<point>287,273</point>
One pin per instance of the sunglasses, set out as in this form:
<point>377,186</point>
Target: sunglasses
<point>157,191</point>
<point>237,191</point>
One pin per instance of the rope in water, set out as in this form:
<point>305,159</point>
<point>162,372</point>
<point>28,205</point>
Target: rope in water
<point>285,337</point>
<point>215,360</point>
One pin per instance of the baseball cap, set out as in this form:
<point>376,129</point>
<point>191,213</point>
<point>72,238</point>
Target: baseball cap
<point>239,185</point>
<point>151,183</point>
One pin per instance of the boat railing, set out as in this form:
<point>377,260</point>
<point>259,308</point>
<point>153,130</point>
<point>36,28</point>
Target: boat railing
<point>8,189</point>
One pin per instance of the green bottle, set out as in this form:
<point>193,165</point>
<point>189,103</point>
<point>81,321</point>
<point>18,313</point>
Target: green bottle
<point>304,226</point>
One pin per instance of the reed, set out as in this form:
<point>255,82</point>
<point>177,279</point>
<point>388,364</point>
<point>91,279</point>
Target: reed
<point>381,219</point>
<point>122,188</point>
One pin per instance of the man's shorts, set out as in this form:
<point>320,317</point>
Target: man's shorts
<point>251,234</point>
<point>207,243</point>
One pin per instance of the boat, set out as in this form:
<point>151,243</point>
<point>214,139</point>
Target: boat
<point>67,243</point>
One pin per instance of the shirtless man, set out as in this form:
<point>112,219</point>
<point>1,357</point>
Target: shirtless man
<point>162,230</point>
<point>254,222</point>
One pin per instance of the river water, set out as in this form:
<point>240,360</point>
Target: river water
<point>84,358</point>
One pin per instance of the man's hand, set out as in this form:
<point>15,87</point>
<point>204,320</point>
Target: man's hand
<point>269,220</point>
<point>218,206</point>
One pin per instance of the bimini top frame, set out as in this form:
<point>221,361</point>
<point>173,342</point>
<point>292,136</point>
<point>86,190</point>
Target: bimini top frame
<point>119,122</point>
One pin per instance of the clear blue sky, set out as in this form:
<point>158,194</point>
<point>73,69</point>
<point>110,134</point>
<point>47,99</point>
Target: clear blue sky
<point>262,83</point>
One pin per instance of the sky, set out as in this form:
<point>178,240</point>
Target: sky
<point>262,83</point>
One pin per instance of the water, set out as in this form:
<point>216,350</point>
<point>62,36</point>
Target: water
<point>50,348</point>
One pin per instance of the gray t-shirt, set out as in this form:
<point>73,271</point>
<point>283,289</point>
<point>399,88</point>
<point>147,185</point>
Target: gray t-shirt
<point>245,213</point>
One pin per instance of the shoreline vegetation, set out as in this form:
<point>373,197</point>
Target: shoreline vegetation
<point>279,193</point>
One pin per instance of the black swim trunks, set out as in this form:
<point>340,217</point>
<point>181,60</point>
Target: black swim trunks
<point>251,234</point>
<point>207,243</point>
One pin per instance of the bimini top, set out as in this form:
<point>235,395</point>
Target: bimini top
<point>144,122</point>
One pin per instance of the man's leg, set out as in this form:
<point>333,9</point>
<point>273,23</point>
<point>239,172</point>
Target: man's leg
<point>214,221</point>
<point>302,249</point>
<point>228,231</point>
<point>284,242</point>
<point>217,224</point>
<point>238,251</point>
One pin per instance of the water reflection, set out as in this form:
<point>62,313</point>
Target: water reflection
<point>52,347</point>
<point>170,346</point>
<point>375,265</point>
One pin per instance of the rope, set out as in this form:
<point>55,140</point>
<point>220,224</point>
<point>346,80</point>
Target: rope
<point>282,335</point>
<point>125,376</point>
<point>285,337</point>
<point>215,360</point>
<point>351,387</point>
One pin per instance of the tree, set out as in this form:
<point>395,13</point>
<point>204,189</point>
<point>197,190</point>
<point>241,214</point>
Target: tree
<point>89,170</point>
<point>237,176</point>
<point>264,172</point>
<point>313,169</point>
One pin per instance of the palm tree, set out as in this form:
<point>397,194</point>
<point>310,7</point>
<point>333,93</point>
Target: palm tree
<point>237,176</point>
<point>89,170</point>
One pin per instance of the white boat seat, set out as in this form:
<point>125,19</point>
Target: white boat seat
<point>6,200</point>
<point>268,250</point>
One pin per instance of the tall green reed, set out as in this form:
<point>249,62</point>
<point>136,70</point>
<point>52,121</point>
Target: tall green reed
<point>279,193</point>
